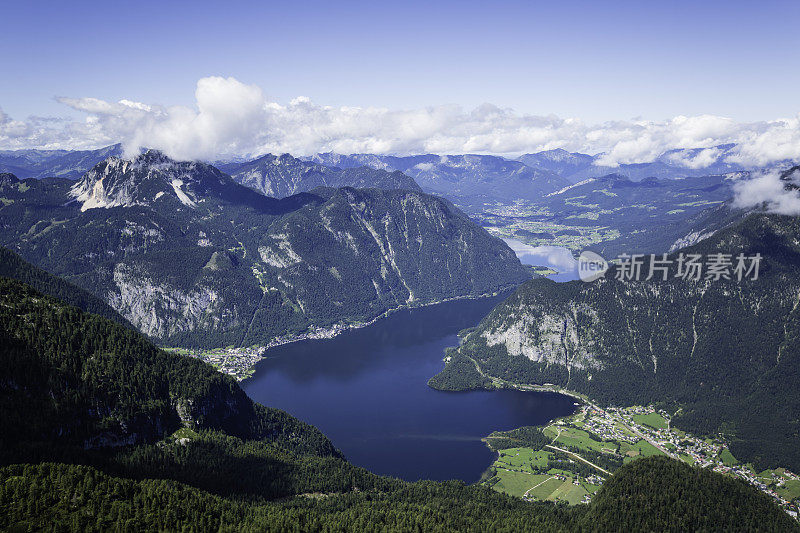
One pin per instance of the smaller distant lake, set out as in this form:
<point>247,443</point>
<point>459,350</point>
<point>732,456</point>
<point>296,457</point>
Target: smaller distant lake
<point>367,390</point>
<point>558,258</point>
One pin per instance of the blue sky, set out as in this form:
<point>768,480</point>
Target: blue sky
<point>593,60</point>
<point>596,61</point>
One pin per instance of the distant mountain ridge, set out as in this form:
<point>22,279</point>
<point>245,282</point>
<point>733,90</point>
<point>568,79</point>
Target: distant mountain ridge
<point>573,166</point>
<point>558,161</point>
<point>70,164</point>
<point>281,176</point>
<point>464,179</point>
<point>429,170</point>
<point>678,163</point>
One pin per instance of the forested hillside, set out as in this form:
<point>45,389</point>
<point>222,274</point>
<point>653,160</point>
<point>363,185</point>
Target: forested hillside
<point>647,495</point>
<point>143,439</point>
<point>177,441</point>
<point>720,353</point>
<point>13,266</point>
<point>78,380</point>
<point>660,494</point>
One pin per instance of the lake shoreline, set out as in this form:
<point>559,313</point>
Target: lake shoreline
<point>367,391</point>
<point>339,328</point>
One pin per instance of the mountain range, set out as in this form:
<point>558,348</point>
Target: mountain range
<point>454,176</point>
<point>467,180</point>
<point>572,166</point>
<point>281,176</point>
<point>569,199</point>
<point>678,163</point>
<point>553,197</point>
<point>70,164</point>
<point>191,257</point>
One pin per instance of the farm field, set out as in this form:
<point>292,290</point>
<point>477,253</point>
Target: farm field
<point>653,420</point>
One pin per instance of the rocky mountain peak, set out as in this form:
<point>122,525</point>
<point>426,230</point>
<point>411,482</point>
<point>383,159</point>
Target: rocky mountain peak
<point>145,179</point>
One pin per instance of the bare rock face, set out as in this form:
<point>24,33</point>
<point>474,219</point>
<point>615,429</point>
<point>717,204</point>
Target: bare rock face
<point>150,177</point>
<point>544,336</point>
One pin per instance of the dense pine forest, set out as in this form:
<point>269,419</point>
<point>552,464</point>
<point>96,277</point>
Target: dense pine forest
<point>13,266</point>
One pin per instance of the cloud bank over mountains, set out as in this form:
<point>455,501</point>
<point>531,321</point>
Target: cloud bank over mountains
<point>231,118</point>
<point>771,191</point>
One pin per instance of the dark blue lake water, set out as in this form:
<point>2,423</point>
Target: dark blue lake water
<point>366,390</point>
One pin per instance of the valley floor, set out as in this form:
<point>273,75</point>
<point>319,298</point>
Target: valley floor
<point>589,445</point>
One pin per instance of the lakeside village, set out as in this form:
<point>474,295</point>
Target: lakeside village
<point>586,447</point>
<point>237,362</point>
<point>240,362</point>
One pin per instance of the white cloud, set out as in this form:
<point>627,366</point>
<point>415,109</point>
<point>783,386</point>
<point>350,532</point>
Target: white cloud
<point>233,118</point>
<point>12,129</point>
<point>769,191</point>
<point>556,257</point>
<point>772,141</point>
<point>703,158</point>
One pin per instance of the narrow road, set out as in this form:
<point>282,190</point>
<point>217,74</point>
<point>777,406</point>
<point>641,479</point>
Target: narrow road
<point>478,368</point>
<point>542,483</point>
<point>576,456</point>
